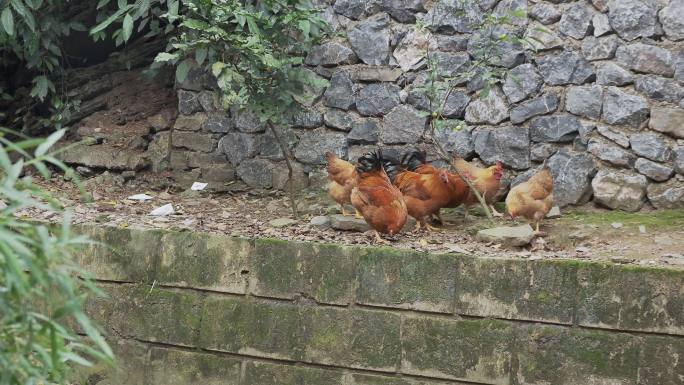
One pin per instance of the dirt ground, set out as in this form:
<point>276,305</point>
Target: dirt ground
<point>647,238</point>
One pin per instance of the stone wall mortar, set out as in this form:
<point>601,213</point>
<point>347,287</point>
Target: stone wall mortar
<point>380,312</point>
<point>604,73</point>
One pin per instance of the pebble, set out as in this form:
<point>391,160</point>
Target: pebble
<point>320,221</point>
<point>642,229</point>
<point>340,222</point>
<point>507,235</point>
<point>282,222</point>
<point>554,213</point>
<point>616,225</point>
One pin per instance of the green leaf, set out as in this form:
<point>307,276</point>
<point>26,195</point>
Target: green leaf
<point>127,27</point>
<point>163,57</point>
<point>8,21</point>
<point>50,141</point>
<point>40,87</point>
<point>182,70</point>
<point>200,55</point>
<point>217,68</point>
<point>102,26</point>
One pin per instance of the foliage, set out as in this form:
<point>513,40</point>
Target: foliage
<point>41,293</point>
<point>31,32</point>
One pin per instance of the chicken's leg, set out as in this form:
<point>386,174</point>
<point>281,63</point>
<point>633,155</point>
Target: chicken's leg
<point>344,212</point>
<point>537,232</point>
<point>495,212</point>
<point>358,214</point>
<point>466,212</point>
<point>379,239</point>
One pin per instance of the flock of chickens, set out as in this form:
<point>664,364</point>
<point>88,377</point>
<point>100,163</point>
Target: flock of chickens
<point>385,190</point>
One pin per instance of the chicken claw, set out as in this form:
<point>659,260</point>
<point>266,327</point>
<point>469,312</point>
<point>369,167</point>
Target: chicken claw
<point>344,212</point>
<point>495,212</point>
<point>379,239</point>
<point>358,215</point>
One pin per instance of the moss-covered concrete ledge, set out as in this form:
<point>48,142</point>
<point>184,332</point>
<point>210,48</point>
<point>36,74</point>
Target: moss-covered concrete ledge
<point>193,308</point>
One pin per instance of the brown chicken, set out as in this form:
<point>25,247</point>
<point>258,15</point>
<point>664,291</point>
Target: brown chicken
<point>343,176</point>
<point>416,161</point>
<point>532,199</point>
<point>485,180</point>
<point>424,194</point>
<point>379,202</point>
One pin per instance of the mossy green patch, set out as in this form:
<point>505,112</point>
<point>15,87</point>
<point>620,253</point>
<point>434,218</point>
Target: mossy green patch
<point>655,219</point>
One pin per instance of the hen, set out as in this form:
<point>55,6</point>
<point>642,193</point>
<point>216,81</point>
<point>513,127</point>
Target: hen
<point>379,202</point>
<point>485,180</point>
<point>343,176</point>
<point>532,199</point>
<point>416,161</point>
<point>424,193</point>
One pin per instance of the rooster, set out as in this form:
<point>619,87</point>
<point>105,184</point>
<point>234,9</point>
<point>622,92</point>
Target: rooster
<point>485,180</point>
<point>532,199</point>
<point>424,193</point>
<point>343,176</point>
<point>379,202</point>
<point>416,161</point>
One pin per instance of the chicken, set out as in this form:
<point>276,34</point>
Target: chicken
<point>343,176</point>
<point>424,193</point>
<point>485,180</point>
<point>532,199</point>
<point>416,161</point>
<point>379,202</point>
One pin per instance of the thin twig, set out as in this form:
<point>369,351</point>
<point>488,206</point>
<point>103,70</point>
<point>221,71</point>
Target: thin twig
<point>290,170</point>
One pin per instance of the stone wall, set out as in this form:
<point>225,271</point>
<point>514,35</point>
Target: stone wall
<point>189,308</point>
<point>603,92</point>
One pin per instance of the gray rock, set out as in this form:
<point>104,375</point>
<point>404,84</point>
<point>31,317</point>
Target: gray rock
<point>646,58</point>
<point>619,190</point>
<point>455,105</point>
<point>449,64</point>
<point>330,54</point>
<point>599,48</point>
<point>256,173</point>
<point>601,5</point>
<point>340,92</point>
<point>192,122</point>
<point>188,102</point>
<point>632,18</point>
<point>508,144</point>
<point>542,151</point>
<point>158,152</point>
<point>611,153</point>
<point>403,11</point>
<point>282,222</point>
<point>404,124</point>
<point>575,21</point>
<point>366,73</point>
<point>339,119</point>
<point>489,109</point>
<point>453,16</point>
<point>621,108</point>
<point>585,101</point>
<point>522,82</point>
<point>218,122</point>
<point>355,9</point>
<point>668,120</point>
<point>679,65</point>
<point>656,171</point>
<point>370,39</point>
<point>659,88</point>
<point>679,159</point>
<point>545,13</point>
<point>507,8</point>
<point>555,128</point>
<point>611,74</point>
<point>553,213</point>
<point>458,142</point>
<point>510,236</point>
<point>312,90</point>
<point>542,105</point>
<point>340,222</point>
<point>365,131</point>
<point>509,53</point>
<point>193,141</point>
<point>669,195</point>
<point>269,147</point>
<point>320,222</point>
<point>565,68</point>
<point>651,145</point>
<point>672,19</point>
<point>307,119</point>
<point>584,133</point>
<point>601,24</point>
<point>411,50</point>
<point>613,134</point>
<point>541,38</point>
<point>446,43</point>
<point>377,99</point>
<point>279,176</point>
<point>209,101</point>
<point>314,144</point>
<point>247,121</point>
<point>572,173</point>
<point>238,146</point>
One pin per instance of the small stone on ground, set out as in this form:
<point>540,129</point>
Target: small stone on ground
<point>507,235</point>
<point>282,222</point>
<point>340,222</point>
